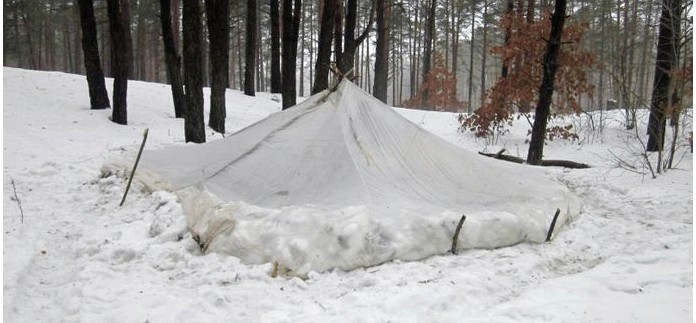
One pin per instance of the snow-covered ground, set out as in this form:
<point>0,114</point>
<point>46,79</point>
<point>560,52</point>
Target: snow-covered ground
<point>78,257</point>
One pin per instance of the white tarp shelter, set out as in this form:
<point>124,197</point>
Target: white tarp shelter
<point>343,181</point>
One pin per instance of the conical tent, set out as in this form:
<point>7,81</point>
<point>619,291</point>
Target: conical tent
<point>342,181</point>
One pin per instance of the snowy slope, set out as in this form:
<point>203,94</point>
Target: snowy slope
<point>78,257</point>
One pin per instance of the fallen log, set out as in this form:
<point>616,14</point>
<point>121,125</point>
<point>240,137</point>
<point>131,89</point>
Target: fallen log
<point>550,162</point>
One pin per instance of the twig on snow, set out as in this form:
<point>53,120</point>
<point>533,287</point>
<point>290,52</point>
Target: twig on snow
<point>14,189</point>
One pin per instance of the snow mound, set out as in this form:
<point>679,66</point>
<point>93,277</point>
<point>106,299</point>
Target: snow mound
<point>343,181</point>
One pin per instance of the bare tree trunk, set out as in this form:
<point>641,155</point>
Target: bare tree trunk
<point>49,37</point>
<point>456,23</point>
<point>665,64</point>
<point>471,57</point>
<point>602,55</point>
<point>382,50</point>
<point>205,51</point>
<point>176,25</point>
<point>240,65</point>
<point>275,47</point>
<point>98,96</point>
<point>34,64</point>
<point>217,12</point>
<point>67,51</point>
<point>625,68</point>
<point>508,11</point>
<point>291,24</point>
<point>302,51</point>
<point>412,42</point>
<point>311,48</point>
<point>550,62</point>
<point>119,23</point>
<point>401,64</point>
<point>321,69</point>
<point>484,52</point>
<point>643,70</point>
<point>338,31</point>
<point>250,49</point>
<point>351,43</point>
<point>172,58</point>
<point>428,51</point>
<point>194,126</point>
<point>260,82</point>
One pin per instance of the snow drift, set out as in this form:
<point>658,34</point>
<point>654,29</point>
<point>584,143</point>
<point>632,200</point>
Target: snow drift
<point>343,181</point>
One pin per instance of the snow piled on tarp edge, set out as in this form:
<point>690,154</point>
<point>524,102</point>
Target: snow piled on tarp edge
<point>305,238</point>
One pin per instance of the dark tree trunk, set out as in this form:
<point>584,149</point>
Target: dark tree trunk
<point>275,47</point>
<point>291,25</point>
<point>382,51</point>
<point>194,126</point>
<point>338,31</point>
<point>98,97</point>
<point>484,53</point>
<point>550,63</point>
<point>176,23</point>
<point>347,58</point>
<point>217,12</point>
<point>508,11</point>
<point>172,58</point>
<point>250,51</point>
<point>470,92</point>
<point>427,54</point>
<point>321,69</point>
<point>530,11</point>
<point>119,24</point>
<point>665,64</point>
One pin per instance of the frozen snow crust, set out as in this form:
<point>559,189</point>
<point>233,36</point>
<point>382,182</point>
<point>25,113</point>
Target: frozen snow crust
<point>343,181</point>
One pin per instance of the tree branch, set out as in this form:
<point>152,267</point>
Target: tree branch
<point>550,162</point>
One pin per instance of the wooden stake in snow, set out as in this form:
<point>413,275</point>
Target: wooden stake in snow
<point>137,159</point>
<point>17,199</point>
<point>553,224</point>
<point>456,234</point>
